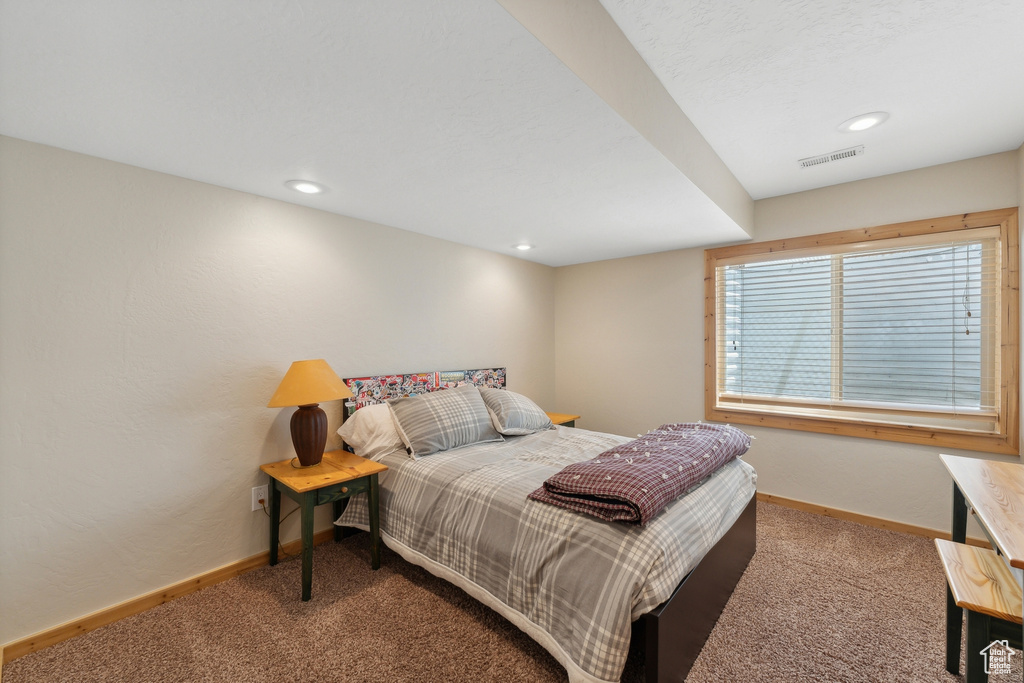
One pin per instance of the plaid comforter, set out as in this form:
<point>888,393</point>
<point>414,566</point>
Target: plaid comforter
<point>633,482</point>
<point>573,582</point>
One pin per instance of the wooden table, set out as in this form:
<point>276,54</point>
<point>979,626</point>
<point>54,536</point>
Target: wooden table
<point>563,419</point>
<point>339,476</point>
<point>995,491</point>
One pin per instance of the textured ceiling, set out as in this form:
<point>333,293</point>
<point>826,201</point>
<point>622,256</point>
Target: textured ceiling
<point>768,81</point>
<point>453,119</point>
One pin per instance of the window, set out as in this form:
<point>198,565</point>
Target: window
<point>903,332</point>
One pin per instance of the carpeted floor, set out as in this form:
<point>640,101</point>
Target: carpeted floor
<point>822,600</point>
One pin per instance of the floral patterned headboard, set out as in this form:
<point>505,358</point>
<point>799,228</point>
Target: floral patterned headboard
<point>380,388</point>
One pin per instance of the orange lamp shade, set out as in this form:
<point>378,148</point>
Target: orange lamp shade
<point>308,382</point>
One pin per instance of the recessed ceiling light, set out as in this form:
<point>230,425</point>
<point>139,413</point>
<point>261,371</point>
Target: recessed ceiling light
<point>524,247</point>
<point>863,122</point>
<point>305,186</point>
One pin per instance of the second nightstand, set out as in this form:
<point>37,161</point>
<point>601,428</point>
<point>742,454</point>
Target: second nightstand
<point>563,419</point>
<point>338,476</point>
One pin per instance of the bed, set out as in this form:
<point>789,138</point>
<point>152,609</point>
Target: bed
<point>582,587</point>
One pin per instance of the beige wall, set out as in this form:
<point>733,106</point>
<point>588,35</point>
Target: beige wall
<point>1020,175</point>
<point>1020,226</point>
<point>629,343</point>
<point>147,319</point>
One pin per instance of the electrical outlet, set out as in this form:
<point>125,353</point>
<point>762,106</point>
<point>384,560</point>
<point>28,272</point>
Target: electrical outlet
<point>259,493</point>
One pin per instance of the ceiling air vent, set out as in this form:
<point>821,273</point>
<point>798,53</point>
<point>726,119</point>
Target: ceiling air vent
<point>832,156</point>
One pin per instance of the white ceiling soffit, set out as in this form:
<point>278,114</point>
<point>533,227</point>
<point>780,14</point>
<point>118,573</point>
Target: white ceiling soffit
<point>767,82</point>
<point>446,118</point>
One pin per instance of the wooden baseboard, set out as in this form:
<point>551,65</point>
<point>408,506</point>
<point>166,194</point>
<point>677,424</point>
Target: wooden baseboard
<point>38,641</point>
<point>866,520</point>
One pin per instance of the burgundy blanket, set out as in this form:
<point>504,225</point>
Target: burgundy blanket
<point>633,482</point>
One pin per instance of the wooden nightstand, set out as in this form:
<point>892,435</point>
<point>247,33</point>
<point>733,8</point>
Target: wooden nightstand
<point>338,476</point>
<point>563,419</point>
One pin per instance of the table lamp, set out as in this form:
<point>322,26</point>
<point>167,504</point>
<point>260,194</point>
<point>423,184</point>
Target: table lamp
<point>307,383</point>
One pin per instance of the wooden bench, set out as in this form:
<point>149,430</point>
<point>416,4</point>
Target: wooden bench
<point>979,581</point>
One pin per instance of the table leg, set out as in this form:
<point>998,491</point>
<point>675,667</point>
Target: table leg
<point>954,614</point>
<point>1018,573</point>
<point>336,509</point>
<point>275,519</point>
<point>374,501</point>
<point>308,505</point>
<point>958,531</point>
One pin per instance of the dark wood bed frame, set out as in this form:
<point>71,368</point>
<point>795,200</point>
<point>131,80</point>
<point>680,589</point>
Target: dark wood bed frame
<point>672,635</point>
<point>674,632</point>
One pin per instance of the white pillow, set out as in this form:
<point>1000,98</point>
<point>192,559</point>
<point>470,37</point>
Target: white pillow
<point>371,432</point>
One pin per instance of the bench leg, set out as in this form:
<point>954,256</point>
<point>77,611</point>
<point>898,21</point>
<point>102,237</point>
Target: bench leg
<point>977,640</point>
<point>954,629</point>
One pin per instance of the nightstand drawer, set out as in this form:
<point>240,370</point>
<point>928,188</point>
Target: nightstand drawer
<point>330,494</point>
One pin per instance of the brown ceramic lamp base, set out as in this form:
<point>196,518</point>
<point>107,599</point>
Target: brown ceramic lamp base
<point>309,434</point>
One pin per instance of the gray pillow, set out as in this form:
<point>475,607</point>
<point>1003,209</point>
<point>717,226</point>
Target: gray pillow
<point>442,420</point>
<point>513,414</point>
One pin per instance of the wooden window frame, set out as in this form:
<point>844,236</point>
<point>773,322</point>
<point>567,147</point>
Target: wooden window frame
<point>1004,439</point>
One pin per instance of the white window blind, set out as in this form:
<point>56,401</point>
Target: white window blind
<point>905,332</point>
<point>910,327</point>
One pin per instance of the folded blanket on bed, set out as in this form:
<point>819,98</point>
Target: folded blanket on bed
<point>633,482</point>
